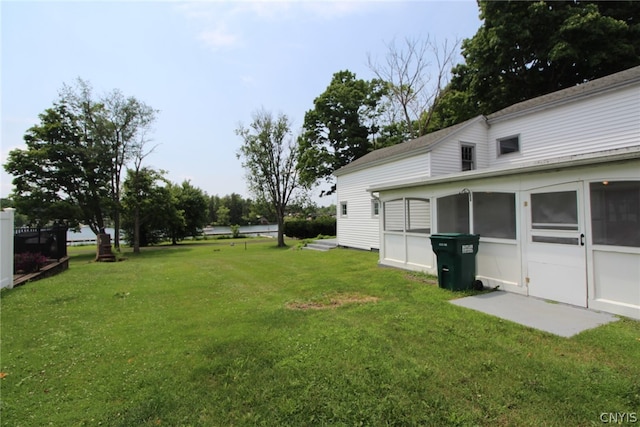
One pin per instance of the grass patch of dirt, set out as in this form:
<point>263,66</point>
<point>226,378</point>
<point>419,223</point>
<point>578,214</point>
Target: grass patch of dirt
<point>331,301</point>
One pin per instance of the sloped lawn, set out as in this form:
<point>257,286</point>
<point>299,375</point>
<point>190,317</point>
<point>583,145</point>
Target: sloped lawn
<point>221,335</point>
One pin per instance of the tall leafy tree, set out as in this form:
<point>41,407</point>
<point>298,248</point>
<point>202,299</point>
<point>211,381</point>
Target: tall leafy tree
<point>150,208</point>
<point>270,156</point>
<point>261,209</point>
<point>121,124</point>
<point>62,175</point>
<point>193,203</point>
<point>138,205</point>
<point>213,203</point>
<point>528,49</point>
<point>236,206</point>
<point>75,158</point>
<point>340,127</point>
<point>222,214</point>
<point>124,127</point>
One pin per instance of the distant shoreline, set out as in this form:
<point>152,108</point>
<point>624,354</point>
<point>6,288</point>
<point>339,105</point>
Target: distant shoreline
<point>86,236</point>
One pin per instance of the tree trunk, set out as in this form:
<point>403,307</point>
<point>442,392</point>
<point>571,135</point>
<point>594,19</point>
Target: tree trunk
<point>136,231</point>
<point>103,253</point>
<point>281,243</point>
<point>116,229</point>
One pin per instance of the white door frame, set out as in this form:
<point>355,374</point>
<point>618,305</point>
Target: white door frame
<point>554,251</point>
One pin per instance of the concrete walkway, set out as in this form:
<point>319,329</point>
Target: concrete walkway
<point>559,319</point>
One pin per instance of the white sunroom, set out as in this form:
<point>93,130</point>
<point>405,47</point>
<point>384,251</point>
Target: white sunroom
<point>566,230</point>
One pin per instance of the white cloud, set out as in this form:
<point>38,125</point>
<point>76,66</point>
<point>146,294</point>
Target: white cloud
<point>215,18</point>
<point>248,81</point>
<point>219,37</point>
<point>211,23</point>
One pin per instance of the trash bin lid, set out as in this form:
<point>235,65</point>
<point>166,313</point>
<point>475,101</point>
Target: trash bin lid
<point>449,235</point>
<point>455,236</point>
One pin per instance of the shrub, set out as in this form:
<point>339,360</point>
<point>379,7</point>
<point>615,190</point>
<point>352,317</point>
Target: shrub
<point>28,262</point>
<point>306,229</point>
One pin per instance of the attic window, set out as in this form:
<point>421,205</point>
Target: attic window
<point>508,145</point>
<point>468,157</point>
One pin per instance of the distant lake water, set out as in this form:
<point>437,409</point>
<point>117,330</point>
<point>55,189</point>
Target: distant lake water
<point>86,236</point>
<point>248,230</point>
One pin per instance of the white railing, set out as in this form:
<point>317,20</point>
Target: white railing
<point>6,248</point>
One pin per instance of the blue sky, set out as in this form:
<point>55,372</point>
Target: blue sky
<point>207,65</point>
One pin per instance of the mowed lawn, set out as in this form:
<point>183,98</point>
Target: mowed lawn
<point>222,335</point>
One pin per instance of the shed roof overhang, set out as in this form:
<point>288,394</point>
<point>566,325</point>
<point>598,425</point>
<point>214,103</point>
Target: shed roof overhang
<point>608,156</point>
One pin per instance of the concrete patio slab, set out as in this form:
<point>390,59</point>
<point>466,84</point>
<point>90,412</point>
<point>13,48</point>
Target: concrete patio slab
<point>559,319</point>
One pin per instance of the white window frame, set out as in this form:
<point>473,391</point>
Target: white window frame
<point>343,209</point>
<point>499,142</point>
<point>464,145</point>
<point>375,208</point>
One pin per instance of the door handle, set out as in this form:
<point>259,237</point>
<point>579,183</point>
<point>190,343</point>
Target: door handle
<point>582,239</point>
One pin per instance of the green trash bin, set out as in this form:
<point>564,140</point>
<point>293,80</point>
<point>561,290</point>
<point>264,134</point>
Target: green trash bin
<point>456,254</point>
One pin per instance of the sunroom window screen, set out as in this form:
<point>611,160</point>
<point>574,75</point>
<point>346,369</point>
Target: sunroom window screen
<point>615,211</point>
<point>453,214</point>
<point>394,215</point>
<point>494,215</point>
<point>555,211</point>
<point>418,216</point>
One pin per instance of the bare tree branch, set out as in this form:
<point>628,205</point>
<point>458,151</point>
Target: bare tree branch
<point>416,74</point>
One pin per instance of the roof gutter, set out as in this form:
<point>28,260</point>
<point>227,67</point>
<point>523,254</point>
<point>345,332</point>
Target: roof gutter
<point>351,167</point>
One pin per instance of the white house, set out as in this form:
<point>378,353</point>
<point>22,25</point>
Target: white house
<point>551,185</point>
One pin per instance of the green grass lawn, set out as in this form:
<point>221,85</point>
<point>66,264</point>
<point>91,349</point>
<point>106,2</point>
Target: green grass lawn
<point>221,335</point>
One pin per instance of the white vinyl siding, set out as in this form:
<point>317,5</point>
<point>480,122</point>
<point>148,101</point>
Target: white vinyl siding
<point>360,229</point>
<point>593,124</point>
<point>446,156</point>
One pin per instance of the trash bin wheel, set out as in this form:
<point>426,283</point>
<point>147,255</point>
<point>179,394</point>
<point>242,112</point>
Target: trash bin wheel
<point>477,285</point>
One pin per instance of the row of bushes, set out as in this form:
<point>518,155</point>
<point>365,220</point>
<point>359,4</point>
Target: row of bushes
<point>305,229</point>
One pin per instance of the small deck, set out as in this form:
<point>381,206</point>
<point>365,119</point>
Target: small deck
<point>51,269</point>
